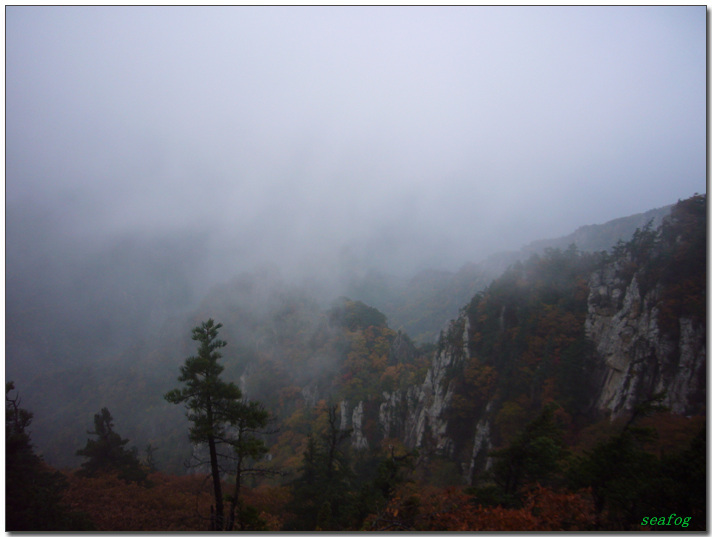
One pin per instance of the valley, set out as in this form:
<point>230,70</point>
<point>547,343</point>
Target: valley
<point>511,372</point>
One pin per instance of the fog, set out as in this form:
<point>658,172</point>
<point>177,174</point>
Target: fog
<point>398,138</point>
<point>154,155</point>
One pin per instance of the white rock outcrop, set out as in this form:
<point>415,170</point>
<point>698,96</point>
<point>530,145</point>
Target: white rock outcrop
<point>637,357</point>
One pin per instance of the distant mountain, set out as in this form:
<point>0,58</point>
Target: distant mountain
<point>599,237</point>
<point>423,305</point>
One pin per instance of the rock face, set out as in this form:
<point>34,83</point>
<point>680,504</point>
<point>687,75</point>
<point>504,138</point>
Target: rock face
<point>359,440</point>
<point>431,398</point>
<point>637,355</point>
<point>637,358</point>
<point>417,416</point>
<point>354,421</point>
<point>397,413</point>
<point>481,446</point>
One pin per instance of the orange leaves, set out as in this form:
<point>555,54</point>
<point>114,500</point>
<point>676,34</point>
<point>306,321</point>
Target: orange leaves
<point>432,509</point>
<point>271,503</point>
<point>390,376</point>
<point>543,510</point>
<point>171,504</point>
<point>483,379</point>
<point>556,511</point>
<point>475,518</point>
<point>366,359</point>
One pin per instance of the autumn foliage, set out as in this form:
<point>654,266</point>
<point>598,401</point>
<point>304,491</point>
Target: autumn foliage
<point>433,509</point>
<point>172,503</point>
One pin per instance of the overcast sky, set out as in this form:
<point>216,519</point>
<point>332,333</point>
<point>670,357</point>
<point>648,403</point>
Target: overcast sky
<point>402,136</point>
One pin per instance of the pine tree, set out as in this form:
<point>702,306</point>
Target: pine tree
<point>534,455</point>
<point>107,453</point>
<point>34,492</point>
<point>246,446</point>
<point>212,403</point>
<point>323,495</point>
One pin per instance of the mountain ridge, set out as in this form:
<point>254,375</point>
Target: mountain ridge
<point>423,304</point>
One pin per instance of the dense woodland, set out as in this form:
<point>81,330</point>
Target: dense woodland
<point>247,433</point>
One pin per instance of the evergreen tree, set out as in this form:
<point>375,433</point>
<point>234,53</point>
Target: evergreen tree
<point>33,491</point>
<point>381,475</point>
<point>107,453</point>
<point>628,481</point>
<point>212,403</point>
<point>618,472</point>
<point>323,496</point>
<point>246,446</point>
<point>532,457</point>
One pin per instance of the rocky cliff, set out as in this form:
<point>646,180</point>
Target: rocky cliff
<point>593,334</point>
<point>643,332</point>
<point>637,358</point>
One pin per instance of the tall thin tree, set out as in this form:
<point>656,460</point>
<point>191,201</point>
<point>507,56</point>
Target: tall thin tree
<point>211,403</point>
<point>246,445</point>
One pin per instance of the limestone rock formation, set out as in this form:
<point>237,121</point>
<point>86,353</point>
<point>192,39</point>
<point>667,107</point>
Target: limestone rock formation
<point>637,358</point>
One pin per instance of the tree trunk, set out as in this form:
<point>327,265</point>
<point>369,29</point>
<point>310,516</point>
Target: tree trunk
<point>219,510</point>
<point>234,507</point>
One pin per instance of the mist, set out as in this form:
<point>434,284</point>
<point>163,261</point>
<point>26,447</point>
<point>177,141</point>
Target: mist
<point>398,138</point>
<point>169,164</point>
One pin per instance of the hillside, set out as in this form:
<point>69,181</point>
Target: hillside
<point>566,356</point>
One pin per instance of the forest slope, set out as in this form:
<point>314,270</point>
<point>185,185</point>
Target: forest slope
<point>547,379</point>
